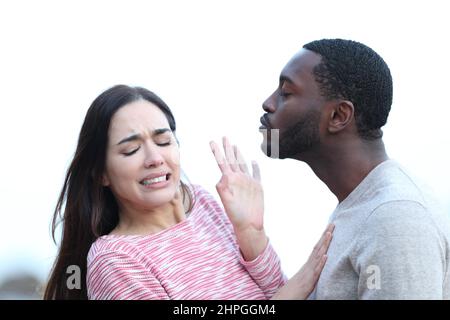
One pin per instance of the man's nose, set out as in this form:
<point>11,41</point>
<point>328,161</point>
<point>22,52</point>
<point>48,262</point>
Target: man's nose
<point>269,105</point>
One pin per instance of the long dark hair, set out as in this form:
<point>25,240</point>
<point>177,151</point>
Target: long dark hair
<point>85,207</point>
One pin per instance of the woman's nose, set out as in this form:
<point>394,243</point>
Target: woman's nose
<point>153,159</point>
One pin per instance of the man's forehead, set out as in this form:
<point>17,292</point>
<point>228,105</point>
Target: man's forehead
<point>302,63</point>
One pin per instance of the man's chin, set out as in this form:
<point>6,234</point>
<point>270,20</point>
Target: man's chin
<point>266,148</point>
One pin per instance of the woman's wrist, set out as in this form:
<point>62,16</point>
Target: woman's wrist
<point>252,242</point>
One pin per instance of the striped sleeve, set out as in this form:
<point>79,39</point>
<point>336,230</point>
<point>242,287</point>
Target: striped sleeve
<point>116,276</point>
<point>266,271</point>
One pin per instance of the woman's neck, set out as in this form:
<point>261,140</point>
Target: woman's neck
<point>140,221</point>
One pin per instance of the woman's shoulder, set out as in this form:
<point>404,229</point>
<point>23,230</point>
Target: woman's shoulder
<point>203,198</point>
<point>207,207</point>
<point>112,246</point>
<point>197,189</point>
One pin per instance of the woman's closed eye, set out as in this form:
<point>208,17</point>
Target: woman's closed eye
<point>131,152</point>
<point>160,144</point>
<point>163,144</point>
<point>163,140</point>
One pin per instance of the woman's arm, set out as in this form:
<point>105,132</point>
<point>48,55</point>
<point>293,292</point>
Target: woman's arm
<point>303,282</point>
<point>243,200</point>
<point>117,276</point>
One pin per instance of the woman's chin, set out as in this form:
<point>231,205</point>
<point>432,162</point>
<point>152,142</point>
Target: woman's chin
<point>159,197</point>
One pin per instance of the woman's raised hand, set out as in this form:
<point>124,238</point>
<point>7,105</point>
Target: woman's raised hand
<point>242,197</point>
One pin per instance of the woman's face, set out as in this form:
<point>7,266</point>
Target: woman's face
<point>142,157</point>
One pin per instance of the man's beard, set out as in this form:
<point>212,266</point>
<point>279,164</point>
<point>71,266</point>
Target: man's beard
<point>300,137</point>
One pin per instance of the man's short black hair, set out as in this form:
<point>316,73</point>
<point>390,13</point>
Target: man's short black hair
<point>351,70</point>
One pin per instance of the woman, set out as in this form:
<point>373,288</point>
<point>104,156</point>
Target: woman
<point>138,232</point>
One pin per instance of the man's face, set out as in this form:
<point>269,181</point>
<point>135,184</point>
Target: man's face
<point>294,109</point>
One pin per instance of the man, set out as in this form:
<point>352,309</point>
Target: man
<point>390,241</point>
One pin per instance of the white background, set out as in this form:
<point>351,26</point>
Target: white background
<point>214,63</point>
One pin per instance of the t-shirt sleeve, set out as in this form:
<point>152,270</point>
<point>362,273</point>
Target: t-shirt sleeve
<point>117,276</point>
<point>399,255</point>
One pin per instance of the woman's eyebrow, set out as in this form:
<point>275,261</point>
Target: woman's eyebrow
<point>131,138</point>
<point>137,136</point>
<point>157,132</point>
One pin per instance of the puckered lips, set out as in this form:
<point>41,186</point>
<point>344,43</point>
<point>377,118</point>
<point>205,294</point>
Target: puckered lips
<point>265,122</point>
<point>156,180</point>
<point>265,129</point>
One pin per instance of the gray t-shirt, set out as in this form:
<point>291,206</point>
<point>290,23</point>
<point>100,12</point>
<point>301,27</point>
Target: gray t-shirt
<point>391,241</point>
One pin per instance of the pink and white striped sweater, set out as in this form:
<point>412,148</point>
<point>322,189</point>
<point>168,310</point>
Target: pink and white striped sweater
<point>197,258</point>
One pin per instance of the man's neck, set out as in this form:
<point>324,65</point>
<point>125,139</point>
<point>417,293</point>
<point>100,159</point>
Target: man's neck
<point>344,167</point>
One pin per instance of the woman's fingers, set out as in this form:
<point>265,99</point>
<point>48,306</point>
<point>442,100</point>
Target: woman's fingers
<point>323,242</point>
<point>320,265</point>
<point>256,171</point>
<point>233,159</point>
<point>240,160</point>
<point>319,253</point>
<point>177,202</point>
<point>220,159</point>
<point>229,154</point>
<point>330,228</point>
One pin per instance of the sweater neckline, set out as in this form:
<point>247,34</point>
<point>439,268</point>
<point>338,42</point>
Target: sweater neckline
<point>161,233</point>
<point>368,180</point>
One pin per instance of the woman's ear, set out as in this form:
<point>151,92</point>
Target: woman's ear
<point>341,116</point>
<point>176,138</point>
<point>105,180</point>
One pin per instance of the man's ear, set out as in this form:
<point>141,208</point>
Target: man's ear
<point>341,115</point>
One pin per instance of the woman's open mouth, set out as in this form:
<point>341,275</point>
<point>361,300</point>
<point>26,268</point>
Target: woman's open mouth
<point>156,180</point>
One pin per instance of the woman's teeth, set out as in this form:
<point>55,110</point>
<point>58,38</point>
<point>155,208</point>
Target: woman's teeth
<point>154,180</point>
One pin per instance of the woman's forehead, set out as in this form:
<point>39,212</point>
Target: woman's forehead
<point>137,116</point>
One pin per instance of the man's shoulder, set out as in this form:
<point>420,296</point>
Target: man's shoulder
<point>394,191</point>
<point>405,204</point>
<point>408,219</point>
<point>386,183</point>
<point>399,184</point>
<point>398,214</point>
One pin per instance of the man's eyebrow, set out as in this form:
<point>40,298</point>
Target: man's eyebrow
<point>284,78</point>
<point>134,137</point>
